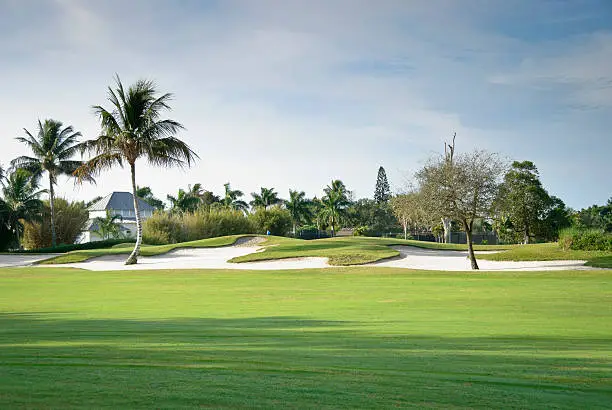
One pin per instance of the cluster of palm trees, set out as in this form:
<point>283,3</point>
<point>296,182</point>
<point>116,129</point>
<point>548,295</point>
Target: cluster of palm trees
<point>325,212</point>
<point>51,150</point>
<point>131,129</point>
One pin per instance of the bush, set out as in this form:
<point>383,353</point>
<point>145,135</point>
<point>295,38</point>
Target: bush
<point>585,239</point>
<point>360,231</point>
<point>108,243</point>
<point>276,220</point>
<point>70,220</point>
<point>163,228</point>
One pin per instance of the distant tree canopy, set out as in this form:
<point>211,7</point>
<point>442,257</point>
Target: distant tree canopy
<point>382,192</point>
<point>595,216</point>
<point>146,194</point>
<point>526,207</point>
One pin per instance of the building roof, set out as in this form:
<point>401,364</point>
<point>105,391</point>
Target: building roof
<point>119,200</point>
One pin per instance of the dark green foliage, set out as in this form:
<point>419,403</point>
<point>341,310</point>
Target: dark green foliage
<point>266,198</point>
<point>598,217</point>
<point>231,199</point>
<point>299,207</point>
<point>185,201</point>
<point>275,220</point>
<point>108,243</point>
<point>525,211</point>
<point>378,217</point>
<point>382,192</point>
<point>20,203</point>
<point>146,194</point>
<point>585,239</point>
<point>52,149</point>
<point>70,220</point>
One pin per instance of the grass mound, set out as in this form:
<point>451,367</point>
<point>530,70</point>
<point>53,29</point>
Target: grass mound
<point>550,252</point>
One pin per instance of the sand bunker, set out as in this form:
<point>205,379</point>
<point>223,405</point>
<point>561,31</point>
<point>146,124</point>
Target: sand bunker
<point>217,258</point>
<point>198,258</point>
<point>428,259</point>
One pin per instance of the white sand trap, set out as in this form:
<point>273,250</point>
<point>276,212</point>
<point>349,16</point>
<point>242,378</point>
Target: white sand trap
<point>197,258</point>
<point>428,259</point>
<point>217,258</point>
<point>11,260</point>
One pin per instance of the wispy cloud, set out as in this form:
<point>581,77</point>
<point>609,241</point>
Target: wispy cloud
<point>268,89</point>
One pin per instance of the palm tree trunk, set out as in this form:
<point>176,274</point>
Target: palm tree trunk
<point>468,234</point>
<point>133,258</point>
<point>52,206</point>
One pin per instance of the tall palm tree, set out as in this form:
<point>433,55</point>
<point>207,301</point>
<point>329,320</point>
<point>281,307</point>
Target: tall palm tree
<point>338,187</point>
<point>133,130</point>
<point>52,149</point>
<point>299,207</point>
<point>333,207</point>
<point>185,201</point>
<point>266,198</point>
<point>230,199</point>
<point>21,202</point>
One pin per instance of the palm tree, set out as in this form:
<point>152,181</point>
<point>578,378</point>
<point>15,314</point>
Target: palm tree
<point>333,207</point>
<point>52,149</point>
<point>231,201</point>
<point>21,202</point>
<point>266,198</point>
<point>338,187</point>
<point>299,207</point>
<point>133,130</point>
<point>107,227</point>
<point>185,201</point>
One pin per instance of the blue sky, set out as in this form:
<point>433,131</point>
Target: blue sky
<point>292,94</point>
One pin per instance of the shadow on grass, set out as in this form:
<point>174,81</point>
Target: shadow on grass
<point>268,362</point>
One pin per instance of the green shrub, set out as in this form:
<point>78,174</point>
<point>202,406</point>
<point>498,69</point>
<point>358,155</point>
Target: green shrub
<point>70,220</point>
<point>276,220</point>
<point>109,243</point>
<point>164,228</point>
<point>585,239</point>
<point>360,231</point>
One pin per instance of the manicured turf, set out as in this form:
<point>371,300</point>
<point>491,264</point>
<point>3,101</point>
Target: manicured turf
<point>347,338</point>
<point>550,252</point>
<point>80,256</point>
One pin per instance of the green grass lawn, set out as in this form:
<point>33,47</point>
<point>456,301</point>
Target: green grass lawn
<point>348,338</point>
<point>550,252</point>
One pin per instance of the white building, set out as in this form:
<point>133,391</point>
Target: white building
<point>117,203</point>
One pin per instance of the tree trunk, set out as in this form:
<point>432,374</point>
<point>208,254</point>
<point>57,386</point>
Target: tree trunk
<point>446,224</point>
<point>405,231</point>
<point>294,229</point>
<point>52,206</point>
<point>468,234</point>
<point>526,237</point>
<point>133,258</point>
